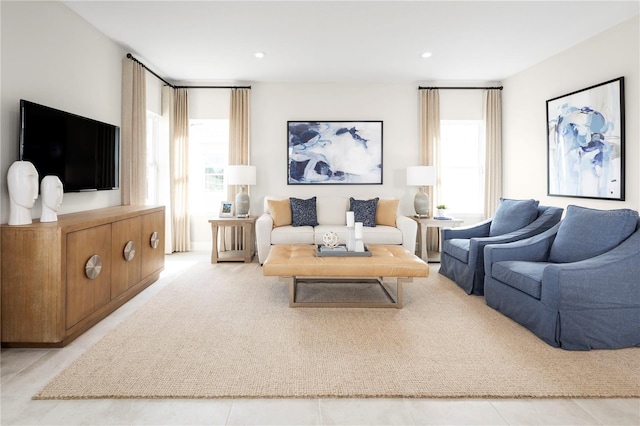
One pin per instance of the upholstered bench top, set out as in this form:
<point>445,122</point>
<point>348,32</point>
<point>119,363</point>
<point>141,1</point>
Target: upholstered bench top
<point>300,260</point>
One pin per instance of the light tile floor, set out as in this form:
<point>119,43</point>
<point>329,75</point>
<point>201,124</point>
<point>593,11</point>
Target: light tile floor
<point>25,371</point>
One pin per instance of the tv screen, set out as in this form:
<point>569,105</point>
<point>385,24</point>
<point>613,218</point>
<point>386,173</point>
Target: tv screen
<point>82,152</point>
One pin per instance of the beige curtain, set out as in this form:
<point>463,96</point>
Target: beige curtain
<point>179,169</point>
<point>133,146</point>
<point>493,156</point>
<point>238,150</point>
<point>430,152</point>
<point>238,131</point>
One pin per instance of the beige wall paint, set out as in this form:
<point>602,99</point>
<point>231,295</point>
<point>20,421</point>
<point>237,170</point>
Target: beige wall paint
<point>273,104</point>
<point>53,57</point>
<point>609,55</point>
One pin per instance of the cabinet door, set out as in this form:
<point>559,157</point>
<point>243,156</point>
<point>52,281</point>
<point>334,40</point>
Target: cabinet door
<point>85,295</point>
<point>152,257</point>
<point>125,255</point>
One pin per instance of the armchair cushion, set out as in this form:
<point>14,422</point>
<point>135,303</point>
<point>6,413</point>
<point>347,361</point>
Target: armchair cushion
<point>585,233</point>
<point>386,212</point>
<point>364,211</point>
<point>303,212</point>
<point>280,212</point>
<point>459,248</point>
<point>512,215</point>
<point>523,276</point>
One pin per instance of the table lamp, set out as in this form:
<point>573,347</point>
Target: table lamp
<point>243,176</point>
<point>421,176</point>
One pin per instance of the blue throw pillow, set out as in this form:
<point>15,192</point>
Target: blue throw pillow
<point>364,211</point>
<point>513,215</point>
<point>303,212</point>
<point>586,233</point>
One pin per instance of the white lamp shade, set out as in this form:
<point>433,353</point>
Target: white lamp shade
<point>421,176</point>
<point>241,175</point>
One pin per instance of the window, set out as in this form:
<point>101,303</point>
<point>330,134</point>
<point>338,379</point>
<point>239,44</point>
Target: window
<point>208,157</point>
<point>462,166</point>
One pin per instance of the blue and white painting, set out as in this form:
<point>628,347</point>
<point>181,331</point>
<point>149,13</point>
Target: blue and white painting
<point>334,152</point>
<point>586,142</point>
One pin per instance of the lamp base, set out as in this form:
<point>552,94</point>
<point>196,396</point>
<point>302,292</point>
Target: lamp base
<point>242,203</point>
<point>421,204</point>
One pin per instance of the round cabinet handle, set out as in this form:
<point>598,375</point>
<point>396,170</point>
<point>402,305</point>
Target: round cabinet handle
<point>155,240</point>
<point>129,251</point>
<point>93,267</point>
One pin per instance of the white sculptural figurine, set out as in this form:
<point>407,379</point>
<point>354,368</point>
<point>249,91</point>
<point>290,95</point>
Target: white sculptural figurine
<point>22,179</point>
<point>52,193</point>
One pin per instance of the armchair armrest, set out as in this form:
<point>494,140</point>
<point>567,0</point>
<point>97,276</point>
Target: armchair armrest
<point>264,225</point>
<point>601,282</point>
<point>409,229</point>
<point>480,229</point>
<point>533,249</point>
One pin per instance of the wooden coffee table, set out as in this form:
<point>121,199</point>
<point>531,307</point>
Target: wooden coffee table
<point>298,263</point>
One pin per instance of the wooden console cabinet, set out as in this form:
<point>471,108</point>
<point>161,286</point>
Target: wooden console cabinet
<point>61,278</point>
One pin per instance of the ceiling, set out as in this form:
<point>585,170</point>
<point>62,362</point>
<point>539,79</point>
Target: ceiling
<point>348,41</point>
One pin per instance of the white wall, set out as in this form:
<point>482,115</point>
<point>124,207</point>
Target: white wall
<point>53,57</point>
<point>273,104</point>
<point>609,55</point>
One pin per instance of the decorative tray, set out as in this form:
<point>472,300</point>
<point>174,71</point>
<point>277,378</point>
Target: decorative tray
<point>340,251</point>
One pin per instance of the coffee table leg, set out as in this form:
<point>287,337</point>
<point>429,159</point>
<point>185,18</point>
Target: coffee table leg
<point>292,291</point>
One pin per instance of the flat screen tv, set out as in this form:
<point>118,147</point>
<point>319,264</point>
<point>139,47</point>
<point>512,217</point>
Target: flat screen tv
<point>83,153</point>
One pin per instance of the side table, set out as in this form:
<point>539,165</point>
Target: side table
<point>429,222</point>
<point>244,255</point>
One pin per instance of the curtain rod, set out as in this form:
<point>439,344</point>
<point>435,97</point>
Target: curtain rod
<point>130,56</point>
<point>459,88</point>
<point>212,87</point>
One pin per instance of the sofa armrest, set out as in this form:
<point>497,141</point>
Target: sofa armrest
<point>601,282</point>
<point>533,249</point>
<point>409,229</point>
<point>264,225</point>
<point>480,229</point>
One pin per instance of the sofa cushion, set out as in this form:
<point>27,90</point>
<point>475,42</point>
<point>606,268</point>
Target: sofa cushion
<point>292,235</point>
<point>364,210</point>
<point>458,248</point>
<point>513,215</point>
<point>386,212</point>
<point>386,235</point>
<point>586,233</point>
<point>303,212</point>
<point>340,230</point>
<point>523,276</point>
<point>280,212</point>
<point>332,210</point>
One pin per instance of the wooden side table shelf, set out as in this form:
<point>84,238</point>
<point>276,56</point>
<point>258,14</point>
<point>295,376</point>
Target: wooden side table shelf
<point>429,222</point>
<point>244,255</point>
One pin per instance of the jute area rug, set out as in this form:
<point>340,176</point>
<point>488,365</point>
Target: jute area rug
<point>226,331</point>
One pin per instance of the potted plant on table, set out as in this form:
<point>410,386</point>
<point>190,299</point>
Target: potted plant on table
<point>442,210</point>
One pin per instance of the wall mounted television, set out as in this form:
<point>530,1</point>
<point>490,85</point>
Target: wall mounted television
<point>83,153</point>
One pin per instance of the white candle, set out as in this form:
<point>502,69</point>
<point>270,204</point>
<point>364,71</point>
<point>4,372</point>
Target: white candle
<point>350,219</point>
<point>358,230</point>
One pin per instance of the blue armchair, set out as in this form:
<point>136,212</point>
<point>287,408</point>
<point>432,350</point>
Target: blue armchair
<point>462,256</point>
<point>577,285</point>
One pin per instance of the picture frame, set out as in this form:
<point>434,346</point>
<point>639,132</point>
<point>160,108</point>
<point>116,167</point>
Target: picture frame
<point>586,143</point>
<point>334,152</point>
<point>226,209</point>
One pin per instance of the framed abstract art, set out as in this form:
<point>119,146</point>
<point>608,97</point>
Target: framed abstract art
<point>585,142</point>
<point>334,152</point>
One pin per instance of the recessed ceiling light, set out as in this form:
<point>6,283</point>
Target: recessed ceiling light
<point>259,54</point>
<point>426,54</point>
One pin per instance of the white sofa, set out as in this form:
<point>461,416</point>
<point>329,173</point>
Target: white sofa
<point>331,214</point>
